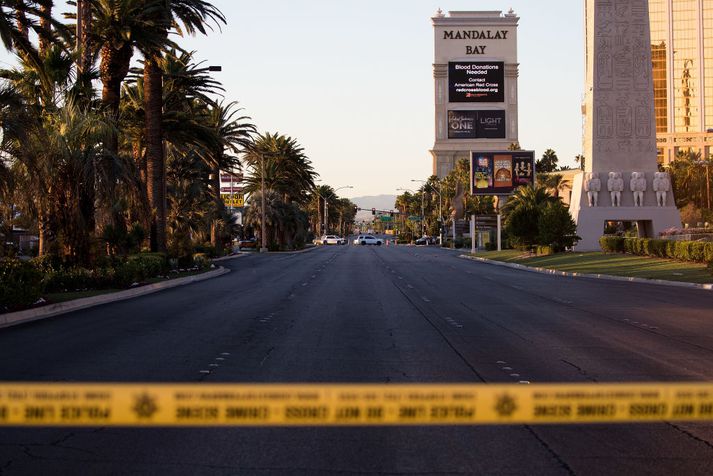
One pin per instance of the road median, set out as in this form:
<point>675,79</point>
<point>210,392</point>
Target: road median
<point>52,310</point>
<point>613,267</point>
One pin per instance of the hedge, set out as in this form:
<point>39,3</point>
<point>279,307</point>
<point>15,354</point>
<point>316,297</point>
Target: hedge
<point>695,251</point>
<point>20,284</point>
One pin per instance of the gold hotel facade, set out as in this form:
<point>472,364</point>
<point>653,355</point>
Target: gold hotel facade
<point>682,55</point>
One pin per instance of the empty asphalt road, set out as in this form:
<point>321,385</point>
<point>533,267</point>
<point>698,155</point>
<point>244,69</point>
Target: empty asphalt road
<point>376,315</point>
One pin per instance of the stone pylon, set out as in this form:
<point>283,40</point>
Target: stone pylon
<point>621,181</point>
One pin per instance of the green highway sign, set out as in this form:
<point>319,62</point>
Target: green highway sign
<point>385,218</point>
<point>414,218</point>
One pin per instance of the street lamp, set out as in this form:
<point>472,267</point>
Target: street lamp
<point>263,232</point>
<point>440,207</point>
<point>326,219</point>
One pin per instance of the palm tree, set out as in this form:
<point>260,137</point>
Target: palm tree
<point>548,162</point>
<point>193,15</point>
<point>522,212</point>
<point>553,182</point>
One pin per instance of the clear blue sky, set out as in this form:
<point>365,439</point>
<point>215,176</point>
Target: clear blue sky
<point>352,80</point>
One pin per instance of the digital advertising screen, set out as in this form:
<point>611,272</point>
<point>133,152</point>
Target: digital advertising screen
<point>482,81</point>
<point>488,124</point>
<point>499,173</point>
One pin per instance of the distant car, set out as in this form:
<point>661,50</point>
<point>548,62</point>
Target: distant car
<point>368,240</point>
<point>332,240</point>
<point>248,243</point>
<point>426,240</point>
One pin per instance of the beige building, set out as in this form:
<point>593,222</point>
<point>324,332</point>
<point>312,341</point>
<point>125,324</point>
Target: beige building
<point>475,73</point>
<point>682,57</point>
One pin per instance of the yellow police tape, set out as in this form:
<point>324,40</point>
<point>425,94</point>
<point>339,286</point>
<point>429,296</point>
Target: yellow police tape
<point>49,404</point>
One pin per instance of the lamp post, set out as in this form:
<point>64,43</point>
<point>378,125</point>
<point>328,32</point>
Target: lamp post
<point>263,232</point>
<point>326,217</point>
<point>440,207</point>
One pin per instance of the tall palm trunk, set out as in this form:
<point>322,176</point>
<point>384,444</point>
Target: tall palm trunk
<point>215,230</point>
<point>156,167</point>
<point>84,28</point>
<point>45,32</point>
<point>113,69</point>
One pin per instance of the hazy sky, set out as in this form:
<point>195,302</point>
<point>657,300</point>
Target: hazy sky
<point>352,80</point>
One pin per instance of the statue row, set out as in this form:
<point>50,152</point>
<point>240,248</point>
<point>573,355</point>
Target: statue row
<point>637,185</point>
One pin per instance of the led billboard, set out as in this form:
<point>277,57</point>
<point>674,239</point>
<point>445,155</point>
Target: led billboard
<point>488,124</point>
<point>476,81</point>
<point>499,173</point>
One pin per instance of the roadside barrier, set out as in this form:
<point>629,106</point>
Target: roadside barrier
<point>60,404</point>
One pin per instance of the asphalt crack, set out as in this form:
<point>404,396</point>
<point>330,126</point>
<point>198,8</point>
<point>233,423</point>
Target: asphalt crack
<point>550,450</point>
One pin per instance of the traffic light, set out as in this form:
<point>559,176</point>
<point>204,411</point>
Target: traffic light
<point>356,209</point>
<point>373,211</point>
<point>391,213</point>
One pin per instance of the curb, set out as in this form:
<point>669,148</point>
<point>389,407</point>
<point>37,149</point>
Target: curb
<point>29,315</point>
<point>608,277</point>
<point>229,257</point>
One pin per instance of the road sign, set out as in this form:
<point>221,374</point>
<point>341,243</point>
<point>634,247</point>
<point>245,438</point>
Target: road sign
<point>385,218</point>
<point>414,218</point>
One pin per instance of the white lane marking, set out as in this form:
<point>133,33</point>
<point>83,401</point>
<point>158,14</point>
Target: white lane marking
<point>400,277</point>
<point>409,286</point>
<point>204,372</point>
<point>519,288</point>
<point>500,362</point>
<point>304,284</point>
<point>314,276</point>
<point>514,375</point>
<point>228,353</point>
<point>425,299</point>
<point>213,365</point>
<point>507,368</point>
<point>219,359</point>
<point>524,382</point>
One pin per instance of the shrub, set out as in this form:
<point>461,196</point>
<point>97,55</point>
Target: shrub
<point>491,246</point>
<point>543,250</point>
<point>201,260</point>
<point>556,228</point>
<point>612,244</point>
<point>20,284</point>
<point>70,279</point>
<point>694,251</point>
<point>150,264</point>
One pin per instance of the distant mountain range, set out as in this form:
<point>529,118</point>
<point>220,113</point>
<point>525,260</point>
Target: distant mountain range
<point>380,202</point>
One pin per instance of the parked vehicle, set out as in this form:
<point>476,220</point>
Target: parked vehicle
<point>332,240</point>
<point>368,240</point>
<point>426,240</point>
<point>248,243</point>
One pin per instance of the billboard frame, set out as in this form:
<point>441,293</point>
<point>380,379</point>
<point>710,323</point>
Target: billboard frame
<point>521,156</point>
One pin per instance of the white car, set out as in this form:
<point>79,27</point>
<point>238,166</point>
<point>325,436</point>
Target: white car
<point>332,240</point>
<point>368,240</point>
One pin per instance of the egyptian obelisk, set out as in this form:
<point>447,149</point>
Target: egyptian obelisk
<point>621,181</point>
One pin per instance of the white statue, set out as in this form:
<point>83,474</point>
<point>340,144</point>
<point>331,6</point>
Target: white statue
<point>615,184</point>
<point>592,185</point>
<point>637,184</point>
<point>662,185</point>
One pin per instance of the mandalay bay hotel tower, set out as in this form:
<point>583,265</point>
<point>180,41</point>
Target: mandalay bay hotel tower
<point>682,55</point>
